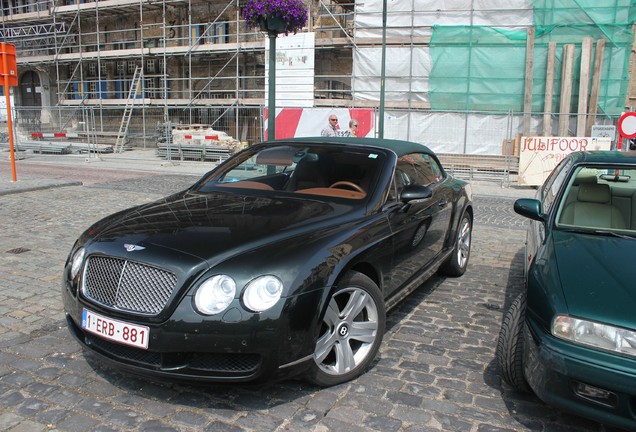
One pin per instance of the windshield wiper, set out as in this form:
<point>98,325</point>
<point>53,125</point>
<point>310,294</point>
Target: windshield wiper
<point>573,229</point>
<point>615,234</point>
<point>592,230</point>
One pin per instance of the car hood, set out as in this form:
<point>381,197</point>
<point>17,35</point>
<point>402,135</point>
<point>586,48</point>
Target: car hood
<point>217,225</point>
<point>597,276</point>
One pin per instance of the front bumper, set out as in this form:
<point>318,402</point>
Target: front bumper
<point>598,385</point>
<point>242,347</point>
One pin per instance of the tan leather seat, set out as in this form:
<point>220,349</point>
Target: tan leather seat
<point>593,208</point>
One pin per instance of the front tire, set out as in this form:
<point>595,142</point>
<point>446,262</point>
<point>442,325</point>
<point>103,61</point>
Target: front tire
<point>510,345</point>
<point>351,331</point>
<point>457,263</point>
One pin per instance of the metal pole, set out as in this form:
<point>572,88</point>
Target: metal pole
<point>271,105</point>
<point>7,95</point>
<point>382,73</point>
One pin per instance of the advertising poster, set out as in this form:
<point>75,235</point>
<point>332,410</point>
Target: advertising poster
<point>294,70</point>
<point>539,155</point>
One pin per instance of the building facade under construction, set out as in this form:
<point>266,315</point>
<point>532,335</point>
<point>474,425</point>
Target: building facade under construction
<point>462,76</point>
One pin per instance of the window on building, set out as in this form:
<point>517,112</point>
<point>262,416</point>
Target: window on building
<point>92,90</point>
<point>151,66</point>
<point>121,68</point>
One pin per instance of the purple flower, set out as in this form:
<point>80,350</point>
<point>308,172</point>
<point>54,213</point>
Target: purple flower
<point>292,12</point>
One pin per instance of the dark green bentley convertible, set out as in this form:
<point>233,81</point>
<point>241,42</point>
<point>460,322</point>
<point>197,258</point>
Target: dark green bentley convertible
<point>281,261</point>
<point>570,336</point>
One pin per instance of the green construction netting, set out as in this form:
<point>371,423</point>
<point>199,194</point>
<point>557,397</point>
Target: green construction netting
<point>483,68</point>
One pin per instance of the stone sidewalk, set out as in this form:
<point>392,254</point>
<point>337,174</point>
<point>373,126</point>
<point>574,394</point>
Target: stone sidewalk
<point>435,371</point>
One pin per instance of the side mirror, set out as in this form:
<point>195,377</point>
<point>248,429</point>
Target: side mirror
<point>530,208</point>
<point>415,193</point>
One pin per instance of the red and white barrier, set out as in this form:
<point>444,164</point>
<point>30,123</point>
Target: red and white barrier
<point>54,135</point>
<point>309,122</point>
<point>201,137</point>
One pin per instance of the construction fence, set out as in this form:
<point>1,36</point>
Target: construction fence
<point>473,145</point>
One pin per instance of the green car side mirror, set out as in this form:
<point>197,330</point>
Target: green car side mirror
<point>530,208</point>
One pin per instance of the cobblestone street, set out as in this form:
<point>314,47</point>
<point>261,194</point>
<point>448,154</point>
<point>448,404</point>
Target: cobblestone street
<point>436,369</point>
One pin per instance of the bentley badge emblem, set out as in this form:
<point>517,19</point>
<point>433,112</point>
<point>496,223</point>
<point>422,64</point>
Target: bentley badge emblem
<point>133,247</point>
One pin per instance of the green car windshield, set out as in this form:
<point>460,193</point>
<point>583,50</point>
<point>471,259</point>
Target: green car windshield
<point>600,198</point>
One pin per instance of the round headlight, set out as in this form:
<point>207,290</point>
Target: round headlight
<point>76,262</point>
<point>262,293</point>
<point>215,294</point>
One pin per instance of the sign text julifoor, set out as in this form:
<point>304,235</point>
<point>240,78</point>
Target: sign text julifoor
<point>539,155</point>
<point>555,144</point>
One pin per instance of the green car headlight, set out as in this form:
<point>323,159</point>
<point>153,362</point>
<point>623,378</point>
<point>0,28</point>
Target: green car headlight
<point>262,293</point>
<point>594,334</point>
<point>215,294</point>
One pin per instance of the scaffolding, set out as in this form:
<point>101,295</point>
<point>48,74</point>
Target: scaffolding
<point>200,62</point>
<point>193,52</point>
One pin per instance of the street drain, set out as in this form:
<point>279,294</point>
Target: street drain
<point>17,251</point>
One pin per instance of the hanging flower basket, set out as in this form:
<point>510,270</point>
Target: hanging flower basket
<point>275,16</point>
<point>273,24</point>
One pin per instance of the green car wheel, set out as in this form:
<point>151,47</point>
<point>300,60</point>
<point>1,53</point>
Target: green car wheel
<point>510,345</point>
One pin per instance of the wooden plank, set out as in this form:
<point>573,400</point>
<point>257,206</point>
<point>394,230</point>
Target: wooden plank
<point>596,85</point>
<point>527,98</point>
<point>566,89</point>
<point>584,85</point>
<point>549,90</point>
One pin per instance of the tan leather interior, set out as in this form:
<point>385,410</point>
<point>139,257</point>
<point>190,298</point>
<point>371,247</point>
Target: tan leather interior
<point>593,208</point>
<point>340,193</point>
<point>247,184</point>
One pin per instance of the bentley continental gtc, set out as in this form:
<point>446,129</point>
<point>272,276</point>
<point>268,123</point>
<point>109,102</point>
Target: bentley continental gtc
<point>282,261</point>
<point>570,336</point>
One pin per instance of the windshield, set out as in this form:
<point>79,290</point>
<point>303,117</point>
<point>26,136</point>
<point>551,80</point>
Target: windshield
<point>311,169</point>
<point>600,198</point>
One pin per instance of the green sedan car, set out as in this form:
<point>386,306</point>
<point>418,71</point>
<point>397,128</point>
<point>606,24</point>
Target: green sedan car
<point>570,336</point>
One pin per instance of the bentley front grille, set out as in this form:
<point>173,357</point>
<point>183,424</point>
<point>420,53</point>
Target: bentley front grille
<point>127,285</point>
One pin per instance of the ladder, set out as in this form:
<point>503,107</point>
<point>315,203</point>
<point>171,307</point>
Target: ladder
<point>130,103</point>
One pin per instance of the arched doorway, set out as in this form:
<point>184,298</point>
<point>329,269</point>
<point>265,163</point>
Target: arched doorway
<point>30,90</point>
<point>30,97</point>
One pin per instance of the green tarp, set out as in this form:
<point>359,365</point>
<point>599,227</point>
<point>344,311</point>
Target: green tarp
<point>484,68</point>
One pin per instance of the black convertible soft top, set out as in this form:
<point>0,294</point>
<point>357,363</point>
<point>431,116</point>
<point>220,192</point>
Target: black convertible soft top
<point>398,146</point>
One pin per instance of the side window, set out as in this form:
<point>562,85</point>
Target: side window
<point>553,184</point>
<point>437,171</point>
<point>414,168</point>
<point>419,168</point>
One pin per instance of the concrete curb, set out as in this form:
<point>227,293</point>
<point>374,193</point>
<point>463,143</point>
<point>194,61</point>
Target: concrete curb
<point>7,188</point>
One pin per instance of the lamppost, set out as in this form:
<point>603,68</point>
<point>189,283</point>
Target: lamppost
<point>273,26</point>
<point>382,73</point>
<point>274,17</point>
<point>271,103</point>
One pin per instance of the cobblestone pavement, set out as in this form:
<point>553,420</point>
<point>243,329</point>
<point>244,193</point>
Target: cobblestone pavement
<point>435,371</point>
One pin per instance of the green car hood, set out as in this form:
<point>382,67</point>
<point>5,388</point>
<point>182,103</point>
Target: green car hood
<point>598,276</point>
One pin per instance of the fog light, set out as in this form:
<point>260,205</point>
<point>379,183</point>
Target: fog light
<point>595,394</point>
